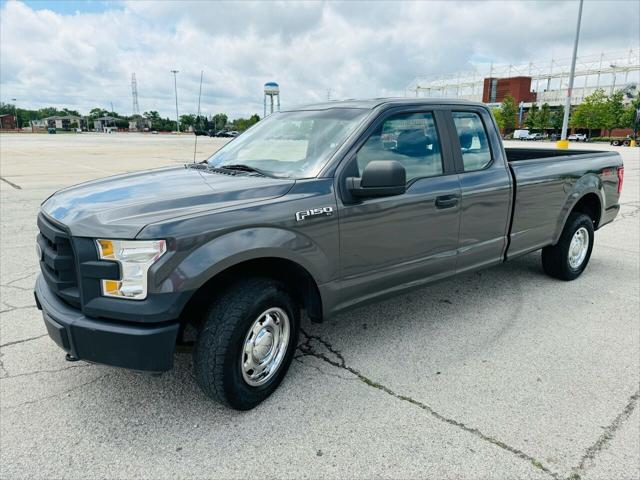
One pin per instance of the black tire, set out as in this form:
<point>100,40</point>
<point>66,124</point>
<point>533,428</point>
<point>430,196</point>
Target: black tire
<point>220,341</point>
<point>615,143</point>
<point>555,258</point>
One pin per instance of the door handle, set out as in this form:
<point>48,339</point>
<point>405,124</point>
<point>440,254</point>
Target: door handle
<point>447,201</point>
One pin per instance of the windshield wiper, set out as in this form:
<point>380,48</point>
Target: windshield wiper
<point>246,168</point>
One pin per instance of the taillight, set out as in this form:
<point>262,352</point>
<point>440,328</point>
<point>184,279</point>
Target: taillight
<point>620,178</point>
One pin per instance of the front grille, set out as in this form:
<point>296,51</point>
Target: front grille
<point>57,261</point>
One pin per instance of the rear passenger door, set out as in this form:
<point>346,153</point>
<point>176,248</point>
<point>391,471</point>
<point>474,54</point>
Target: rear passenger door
<point>389,243</point>
<point>485,185</point>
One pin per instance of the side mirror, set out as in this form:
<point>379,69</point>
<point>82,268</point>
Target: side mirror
<point>381,178</point>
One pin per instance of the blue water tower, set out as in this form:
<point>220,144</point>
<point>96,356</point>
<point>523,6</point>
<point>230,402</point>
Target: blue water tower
<point>271,90</point>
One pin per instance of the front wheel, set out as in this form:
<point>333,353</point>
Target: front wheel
<point>568,258</point>
<point>246,343</point>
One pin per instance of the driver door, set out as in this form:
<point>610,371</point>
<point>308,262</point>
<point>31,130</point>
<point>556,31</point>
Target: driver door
<point>395,242</point>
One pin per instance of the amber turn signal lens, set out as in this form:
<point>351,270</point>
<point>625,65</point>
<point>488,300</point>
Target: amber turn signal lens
<point>110,286</point>
<point>106,248</point>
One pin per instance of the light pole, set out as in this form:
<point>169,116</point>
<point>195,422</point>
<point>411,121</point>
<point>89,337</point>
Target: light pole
<point>15,111</point>
<point>563,142</point>
<point>175,86</point>
<point>613,86</point>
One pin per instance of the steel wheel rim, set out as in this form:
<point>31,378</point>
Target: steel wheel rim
<point>578,248</point>
<point>265,346</point>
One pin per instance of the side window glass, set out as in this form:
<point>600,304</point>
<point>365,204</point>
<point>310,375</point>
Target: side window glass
<point>473,140</point>
<point>409,138</point>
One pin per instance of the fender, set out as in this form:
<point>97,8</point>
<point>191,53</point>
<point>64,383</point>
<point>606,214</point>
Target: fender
<point>589,183</point>
<point>204,262</point>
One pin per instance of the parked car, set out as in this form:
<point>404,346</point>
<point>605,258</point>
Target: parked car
<point>218,133</point>
<point>577,137</point>
<point>624,141</point>
<point>235,247</point>
<point>534,137</point>
<point>520,134</point>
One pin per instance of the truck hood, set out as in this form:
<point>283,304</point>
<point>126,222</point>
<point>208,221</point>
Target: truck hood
<point>120,206</point>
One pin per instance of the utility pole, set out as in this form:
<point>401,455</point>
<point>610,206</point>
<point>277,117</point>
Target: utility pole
<point>563,142</point>
<point>15,111</point>
<point>613,85</point>
<point>175,86</point>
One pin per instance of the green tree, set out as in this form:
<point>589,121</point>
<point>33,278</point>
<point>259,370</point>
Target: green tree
<point>614,111</point>
<point>532,117</point>
<point>219,121</point>
<point>241,124</point>
<point>630,117</point>
<point>187,121</point>
<point>591,113</point>
<point>543,120</point>
<point>509,110</point>
<point>556,118</point>
<point>497,114</point>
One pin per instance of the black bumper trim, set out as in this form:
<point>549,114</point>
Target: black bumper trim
<point>119,344</point>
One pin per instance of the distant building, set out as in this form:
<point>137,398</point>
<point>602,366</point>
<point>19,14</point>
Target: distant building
<point>495,89</point>
<point>104,124</point>
<point>138,123</point>
<point>7,122</point>
<point>65,122</point>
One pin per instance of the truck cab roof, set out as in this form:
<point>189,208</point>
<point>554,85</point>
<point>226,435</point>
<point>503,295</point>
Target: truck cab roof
<point>372,103</point>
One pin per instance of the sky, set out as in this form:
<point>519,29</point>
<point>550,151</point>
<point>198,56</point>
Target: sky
<point>81,54</point>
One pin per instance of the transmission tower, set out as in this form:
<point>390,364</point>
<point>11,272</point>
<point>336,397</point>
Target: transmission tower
<point>134,94</point>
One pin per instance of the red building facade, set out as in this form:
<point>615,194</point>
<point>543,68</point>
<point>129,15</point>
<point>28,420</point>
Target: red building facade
<point>495,89</point>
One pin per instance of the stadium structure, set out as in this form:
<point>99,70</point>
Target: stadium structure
<point>537,82</point>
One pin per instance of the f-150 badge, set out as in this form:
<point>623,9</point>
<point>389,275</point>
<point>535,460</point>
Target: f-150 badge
<point>304,214</point>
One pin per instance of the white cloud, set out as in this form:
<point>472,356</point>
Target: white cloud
<point>356,49</point>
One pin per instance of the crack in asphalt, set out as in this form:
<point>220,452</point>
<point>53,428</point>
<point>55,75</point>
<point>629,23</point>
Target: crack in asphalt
<point>9,182</point>
<point>635,210</point>
<point>25,289</point>
<point>59,394</point>
<point>36,372</point>
<point>607,435</point>
<point>13,308</point>
<point>15,342</point>
<point>306,348</point>
<point>2,367</point>
<point>18,279</point>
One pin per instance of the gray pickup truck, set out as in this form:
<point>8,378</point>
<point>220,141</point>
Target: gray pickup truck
<point>316,209</point>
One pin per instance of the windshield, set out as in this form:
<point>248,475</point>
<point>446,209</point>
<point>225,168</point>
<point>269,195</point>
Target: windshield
<point>291,144</point>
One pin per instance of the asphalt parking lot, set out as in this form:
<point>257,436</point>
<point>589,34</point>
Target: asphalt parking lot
<point>504,373</point>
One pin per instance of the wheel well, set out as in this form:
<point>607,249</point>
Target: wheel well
<point>589,205</point>
<point>299,281</point>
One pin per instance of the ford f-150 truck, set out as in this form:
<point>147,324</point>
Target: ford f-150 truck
<point>314,210</point>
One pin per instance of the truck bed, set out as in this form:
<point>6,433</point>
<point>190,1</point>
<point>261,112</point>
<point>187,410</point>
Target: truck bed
<point>519,154</point>
<point>546,182</point>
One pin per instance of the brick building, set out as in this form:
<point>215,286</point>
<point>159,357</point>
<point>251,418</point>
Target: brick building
<point>495,89</point>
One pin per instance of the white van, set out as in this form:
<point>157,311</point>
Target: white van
<point>520,134</point>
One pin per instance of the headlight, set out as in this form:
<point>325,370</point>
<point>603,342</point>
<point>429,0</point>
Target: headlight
<point>135,257</point>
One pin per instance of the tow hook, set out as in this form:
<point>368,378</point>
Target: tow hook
<point>70,358</point>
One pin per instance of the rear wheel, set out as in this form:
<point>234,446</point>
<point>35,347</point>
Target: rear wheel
<point>246,343</point>
<point>615,143</point>
<point>568,258</point>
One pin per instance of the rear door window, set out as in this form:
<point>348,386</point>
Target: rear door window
<point>474,143</point>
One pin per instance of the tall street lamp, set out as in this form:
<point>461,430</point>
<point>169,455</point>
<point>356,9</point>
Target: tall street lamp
<point>15,111</point>
<point>613,86</point>
<point>175,86</point>
<point>563,142</point>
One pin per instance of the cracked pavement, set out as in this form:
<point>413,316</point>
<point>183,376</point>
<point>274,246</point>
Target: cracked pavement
<point>503,373</point>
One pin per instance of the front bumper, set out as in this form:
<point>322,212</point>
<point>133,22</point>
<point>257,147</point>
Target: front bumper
<point>120,344</point>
